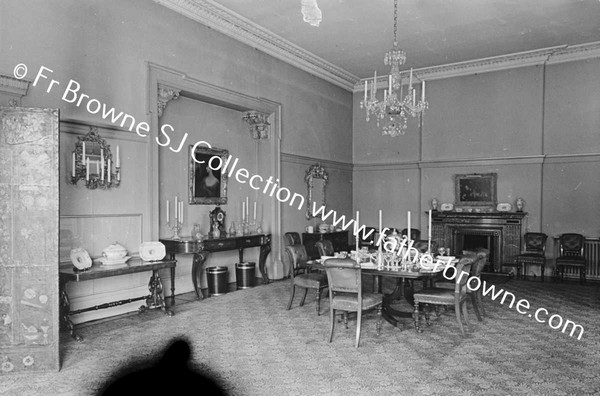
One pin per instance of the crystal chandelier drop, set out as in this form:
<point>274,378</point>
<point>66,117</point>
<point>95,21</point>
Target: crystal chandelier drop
<point>394,106</point>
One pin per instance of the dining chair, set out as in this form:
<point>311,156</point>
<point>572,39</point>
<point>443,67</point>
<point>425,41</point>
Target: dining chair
<point>325,247</point>
<point>571,255</point>
<point>534,253</point>
<point>293,238</point>
<point>446,297</point>
<point>300,277</point>
<point>345,294</point>
<point>481,259</point>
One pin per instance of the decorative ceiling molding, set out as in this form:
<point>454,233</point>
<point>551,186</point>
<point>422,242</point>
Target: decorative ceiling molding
<point>550,55</point>
<point>242,29</point>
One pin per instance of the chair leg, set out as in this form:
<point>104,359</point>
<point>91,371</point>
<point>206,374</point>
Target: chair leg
<point>476,306</point>
<point>346,319</point>
<point>479,297</point>
<point>332,325</point>
<point>427,311</point>
<point>416,318</point>
<point>303,297</point>
<point>358,325</point>
<point>291,297</point>
<point>582,275</point>
<point>318,302</point>
<point>379,319</point>
<point>524,267</point>
<point>465,315</point>
<point>458,318</point>
<point>543,269</point>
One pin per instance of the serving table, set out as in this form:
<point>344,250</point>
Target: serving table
<point>201,250</point>
<point>153,300</point>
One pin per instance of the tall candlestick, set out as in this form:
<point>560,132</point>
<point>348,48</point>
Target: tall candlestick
<point>429,234</point>
<point>410,80</point>
<point>423,91</point>
<point>109,170</point>
<point>408,219</point>
<point>118,158</point>
<point>102,164</point>
<point>87,169</point>
<point>243,211</point>
<point>181,212</point>
<point>390,83</point>
<point>375,82</point>
<point>73,171</point>
<point>247,210</point>
<point>414,97</point>
<point>97,168</point>
<point>255,211</point>
<point>176,209</point>
<point>83,153</point>
<point>168,210</point>
<point>380,220</point>
<point>366,86</point>
<point>357,223</point>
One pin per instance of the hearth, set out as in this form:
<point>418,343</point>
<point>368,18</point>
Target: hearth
<point>499,232</point>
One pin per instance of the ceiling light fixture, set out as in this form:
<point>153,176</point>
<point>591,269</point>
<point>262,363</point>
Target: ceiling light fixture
<point>394,105</point>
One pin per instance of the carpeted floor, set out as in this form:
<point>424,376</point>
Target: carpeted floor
<point>251,345</point>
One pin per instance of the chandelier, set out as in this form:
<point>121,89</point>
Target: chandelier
<point>395,106</point>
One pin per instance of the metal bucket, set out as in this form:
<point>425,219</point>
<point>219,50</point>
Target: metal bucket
<point>245,275</point>
<point>217,279</point>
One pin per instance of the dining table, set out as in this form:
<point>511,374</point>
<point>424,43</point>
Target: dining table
<point>404,288</point>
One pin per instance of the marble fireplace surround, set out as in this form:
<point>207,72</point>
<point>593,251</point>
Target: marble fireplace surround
<point>501,231</point>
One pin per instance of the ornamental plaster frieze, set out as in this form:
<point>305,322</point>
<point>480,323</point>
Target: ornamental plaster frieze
<point>14,88</point>
<point>233,25</point>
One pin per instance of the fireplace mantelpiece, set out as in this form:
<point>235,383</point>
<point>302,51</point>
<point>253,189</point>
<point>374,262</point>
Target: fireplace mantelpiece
<point>504,230</point>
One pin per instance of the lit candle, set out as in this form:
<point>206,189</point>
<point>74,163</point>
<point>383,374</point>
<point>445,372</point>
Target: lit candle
<point>255,211</point>
<point>83,153</point>
<point>423,91</point>
<point>366,86</point>
<point>429,236</point>
<point>408,218</point>
<point>108,170</point>
<point>118,158</point>
<point>87,169</point>
<point>102,164</point>
<point>73,171</point>
<point>168,210</point>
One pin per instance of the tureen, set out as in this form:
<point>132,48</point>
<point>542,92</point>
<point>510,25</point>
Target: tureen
<point>114,252</point>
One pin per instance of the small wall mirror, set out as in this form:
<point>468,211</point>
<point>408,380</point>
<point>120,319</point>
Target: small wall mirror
<point>93,162</point>
<point>316,182</point>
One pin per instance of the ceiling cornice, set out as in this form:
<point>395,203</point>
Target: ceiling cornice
<point>242,29</point>
<point>552,55</point>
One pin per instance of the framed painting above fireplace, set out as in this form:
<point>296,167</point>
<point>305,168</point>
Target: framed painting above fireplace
<point>476,189</point>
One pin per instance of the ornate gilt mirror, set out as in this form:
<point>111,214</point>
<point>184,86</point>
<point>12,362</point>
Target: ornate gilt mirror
<point>92,161</point>
<point>316,182</point>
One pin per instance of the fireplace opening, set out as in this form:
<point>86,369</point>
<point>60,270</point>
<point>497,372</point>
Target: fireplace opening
<point>473,240</point>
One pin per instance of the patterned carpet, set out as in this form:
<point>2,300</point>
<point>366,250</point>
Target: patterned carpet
<point>253,346</point>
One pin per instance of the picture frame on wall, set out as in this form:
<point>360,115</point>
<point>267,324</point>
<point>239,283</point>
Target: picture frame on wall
<point>476,189</point>
<point>206,185</point>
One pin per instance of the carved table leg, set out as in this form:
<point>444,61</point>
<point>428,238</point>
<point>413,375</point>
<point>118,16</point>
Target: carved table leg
<point>172,286</point>
<point>197,264</point>
<point>156,298</point>
<point>265,249</point>
<point>65,308</point>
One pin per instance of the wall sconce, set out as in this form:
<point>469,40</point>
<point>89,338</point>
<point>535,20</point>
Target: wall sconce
<point>258,123</point>
<point>93,154</point>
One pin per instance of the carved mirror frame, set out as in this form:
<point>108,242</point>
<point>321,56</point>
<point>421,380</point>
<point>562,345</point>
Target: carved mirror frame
<point>316,171</point>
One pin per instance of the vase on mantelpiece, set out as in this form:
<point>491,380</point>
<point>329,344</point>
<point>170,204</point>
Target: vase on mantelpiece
<point>196,233</point>
<point>232,230</point>
<point>520,204</point>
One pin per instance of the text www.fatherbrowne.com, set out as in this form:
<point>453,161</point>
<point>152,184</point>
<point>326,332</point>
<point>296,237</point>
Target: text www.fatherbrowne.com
<point>474,283</point>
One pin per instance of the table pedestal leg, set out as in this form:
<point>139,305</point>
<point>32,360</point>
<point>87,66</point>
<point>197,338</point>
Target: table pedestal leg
<point>265,249</point>
<point>197,264</point>
<point>65,308</point>
<point>156,298</point>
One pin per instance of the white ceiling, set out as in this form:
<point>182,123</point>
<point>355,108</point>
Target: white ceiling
<point>355,34</point>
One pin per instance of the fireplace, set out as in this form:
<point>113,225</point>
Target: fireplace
<point>499,232</point>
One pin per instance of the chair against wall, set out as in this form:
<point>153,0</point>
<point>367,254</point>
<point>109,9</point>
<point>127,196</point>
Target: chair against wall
<point>415,234</point>
<point>481,259</point>
<point>439,296</point>
<point>571,255</point>
<point>301,278</point>
<point>293,238</point>
<point>345,294</point>
<point>534,253</point>
<point>369,241</point>
<point>325,247</point>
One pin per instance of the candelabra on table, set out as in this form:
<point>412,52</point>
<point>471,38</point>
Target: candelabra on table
<point>175,228</point>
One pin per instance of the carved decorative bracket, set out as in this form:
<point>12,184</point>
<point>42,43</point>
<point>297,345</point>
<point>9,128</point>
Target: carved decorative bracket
<point>165,95</point>
<point>258,123</point>
<point>14,88</point>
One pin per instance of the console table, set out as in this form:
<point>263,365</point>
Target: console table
<point>201,249</point>
<point>339,240</point>
<point>154,300</point>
